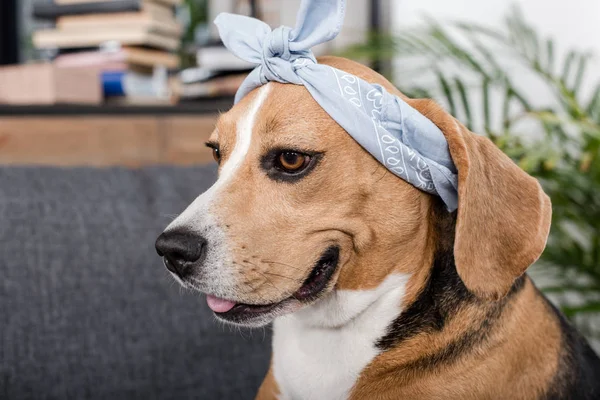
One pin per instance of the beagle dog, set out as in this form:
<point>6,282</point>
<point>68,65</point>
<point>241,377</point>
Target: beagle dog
<point>375,291</point>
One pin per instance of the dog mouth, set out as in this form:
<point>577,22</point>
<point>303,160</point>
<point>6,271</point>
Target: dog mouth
<point>259,314</point>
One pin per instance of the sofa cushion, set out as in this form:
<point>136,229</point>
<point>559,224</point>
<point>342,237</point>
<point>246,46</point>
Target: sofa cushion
<point>88,311</point>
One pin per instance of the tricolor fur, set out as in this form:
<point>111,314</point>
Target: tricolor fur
<point>419,303</point>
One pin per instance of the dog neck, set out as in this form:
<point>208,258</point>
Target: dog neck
<point>339,336</point>
<point>334,340</point>
<point>319,351</point>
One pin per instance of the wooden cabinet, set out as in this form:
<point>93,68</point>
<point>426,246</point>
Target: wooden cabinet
<point>108,139</point>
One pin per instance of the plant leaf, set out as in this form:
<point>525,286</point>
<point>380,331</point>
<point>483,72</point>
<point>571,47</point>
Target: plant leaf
<point>549,55</point>
<point>447,93</point>
<point>506,109</point>
<point>465,102</point>
<point>567,66</point>
<point>486,106</point>
<point>594,103</point>
<point>592,307</point>
<point>583,58</point>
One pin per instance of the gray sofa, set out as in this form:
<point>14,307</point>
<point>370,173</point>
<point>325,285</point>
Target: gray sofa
<point>87,311</point>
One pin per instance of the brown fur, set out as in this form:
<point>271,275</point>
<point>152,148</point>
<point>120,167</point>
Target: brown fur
<point>503,216</point>
<point>383,225</point>
<point>269,389</point>
<point>518,361</point>
<point>270,263</point>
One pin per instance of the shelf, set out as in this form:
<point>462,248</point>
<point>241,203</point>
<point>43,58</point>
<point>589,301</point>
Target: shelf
<point>206,106</point>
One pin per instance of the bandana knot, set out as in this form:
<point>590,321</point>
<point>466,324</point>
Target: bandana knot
<point>278,62</point>
<point>407,143</point>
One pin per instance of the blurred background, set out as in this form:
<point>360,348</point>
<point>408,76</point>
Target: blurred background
<point>121,95</point>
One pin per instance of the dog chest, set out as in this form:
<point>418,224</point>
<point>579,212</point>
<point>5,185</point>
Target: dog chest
<point>315,360</point>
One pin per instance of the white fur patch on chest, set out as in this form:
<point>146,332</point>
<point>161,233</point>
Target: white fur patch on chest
<point>319,352</point>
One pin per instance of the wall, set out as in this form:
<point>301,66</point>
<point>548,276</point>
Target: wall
<point>572,23</point>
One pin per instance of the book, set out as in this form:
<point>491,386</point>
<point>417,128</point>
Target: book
<point>126,36</point>
<point>219,58</point>
<point>51,11</point>
<point>47,84</point>
<point>127,55</point>
<point>135,85</point>
<point>199,74</point>
<point>223,86</point>
<point>105,66</point>
<point>112,83</point>
<point>142,19</point>
<point>126,101</point>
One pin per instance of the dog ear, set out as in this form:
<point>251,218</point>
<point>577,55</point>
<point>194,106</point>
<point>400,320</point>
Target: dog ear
<point>503,215</point>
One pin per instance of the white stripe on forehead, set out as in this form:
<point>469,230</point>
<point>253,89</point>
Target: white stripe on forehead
<point>243,138</point>
<point>198,210</point>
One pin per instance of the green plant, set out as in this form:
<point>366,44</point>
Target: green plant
<point>473,71</point>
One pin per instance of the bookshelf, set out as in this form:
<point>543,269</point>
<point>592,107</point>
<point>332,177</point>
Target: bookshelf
<point>204,106</point>
<point>109,135</point>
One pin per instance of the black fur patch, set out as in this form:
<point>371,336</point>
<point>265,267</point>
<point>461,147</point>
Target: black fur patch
<point>443,295</point>
<point>578,375</point>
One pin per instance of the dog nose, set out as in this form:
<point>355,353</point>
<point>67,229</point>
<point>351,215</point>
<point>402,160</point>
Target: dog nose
<point>181,251</point>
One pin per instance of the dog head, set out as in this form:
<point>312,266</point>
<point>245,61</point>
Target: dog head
<point>301,211</point>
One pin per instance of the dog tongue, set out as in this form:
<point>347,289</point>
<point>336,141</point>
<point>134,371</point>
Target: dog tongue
<point>219,305</point>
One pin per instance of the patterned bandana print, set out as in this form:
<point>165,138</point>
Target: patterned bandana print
<point>398,136</point>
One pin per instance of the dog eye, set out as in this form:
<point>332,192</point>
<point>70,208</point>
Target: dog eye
<point>289,165</point>
<point>291,161</point>
<point>216,154</point>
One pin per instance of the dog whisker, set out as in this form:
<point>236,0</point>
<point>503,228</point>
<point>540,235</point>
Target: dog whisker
<point>385,171</point>
<point>169,216</point>
<point>280,263</point>
<point>261,298</point>
<point>271,283</point>
<point>274,274</point>
<point>283,276</point>
<point>286,293</point>
<point>376,169</point>
<point>241,289</point>
<point>269,273</point>
<point>252,288</point>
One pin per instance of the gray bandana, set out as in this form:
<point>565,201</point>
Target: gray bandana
<point>402,139</point>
